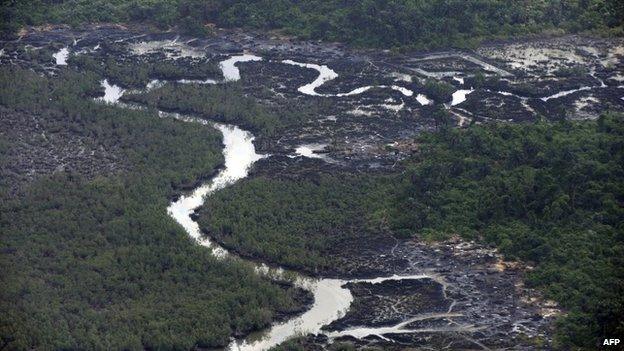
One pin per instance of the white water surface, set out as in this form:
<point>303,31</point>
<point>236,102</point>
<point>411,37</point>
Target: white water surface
<point>331,298</point>
<point>423,100</point>
<point>460,96</point>
<point>239,153</point>
<point>310,150</point>
<point>154,84</point>
<point>326,74</point>
<point>564,93</point>
<point>230,71</point>
<point>331,302</point>
<point>197,81</point>
<point>61,57</point>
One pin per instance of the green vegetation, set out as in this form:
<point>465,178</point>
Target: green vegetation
<point>575,71</point>
<point>136,74</point>
<point>226,103</point>
<point>440,91</point>
<point>96,263</point>
<point>479,80</point>
<point>379,23</point>
<point>547,194</point>
<point>299,221</point>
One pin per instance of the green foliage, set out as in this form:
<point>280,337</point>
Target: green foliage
<point>440,91</point>
<point>295,344</point>
<point>419,24</point>
<point>224,102</point>
<point>136,74</point>
<point>549,194</point>
<point>342,346</point>
<point>378,23</point>
<point>442,117</point>
<point>574,71</point>
<point>479,80</point>
<point>98,264</point>
<point>298,220</point>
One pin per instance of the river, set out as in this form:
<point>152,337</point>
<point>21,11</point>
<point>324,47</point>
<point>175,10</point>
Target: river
<point>331,298</point>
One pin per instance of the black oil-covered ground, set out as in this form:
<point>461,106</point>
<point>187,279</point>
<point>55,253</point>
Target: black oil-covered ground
<point>474,300</point>
<point>515,88</point>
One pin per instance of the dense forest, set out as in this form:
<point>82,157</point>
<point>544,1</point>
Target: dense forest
<point>380,23</point>
<point>301,219</point>
<point>224,103</point>
<point>93,262</point>
<point>547,194</point>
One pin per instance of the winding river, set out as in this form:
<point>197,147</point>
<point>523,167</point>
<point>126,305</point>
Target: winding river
<point>326,74</point>
<point>331,299</point>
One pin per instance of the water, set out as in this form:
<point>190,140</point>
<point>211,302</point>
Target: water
<point>239,153</point>
<point>438,75</point>
<point>460,96</point>
<point>154,84</point>
<point>331,299</point>
<point>310,150</point>
<point>400,89</point>
<point>173,49</point>
<point>362,332</point>
<point>326,74</point>
<point>395,108</point>
<point>423,100</point>
<point>230,71</point>
<point>197,81</point>
<point>331,302</point>
<point>564,93</point>
<point>61,57</point>
<point>112,93</point>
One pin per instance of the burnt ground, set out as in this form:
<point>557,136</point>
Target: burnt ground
<point>37,145</point>
<point>510,81</point>
<point>474,300</point>
<point>391,302</point>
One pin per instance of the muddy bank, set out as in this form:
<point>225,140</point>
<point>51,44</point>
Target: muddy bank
<point>391,302</point>
<point>475,301</point>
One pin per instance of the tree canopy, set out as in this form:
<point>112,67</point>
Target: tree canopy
<point>379,23</point>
